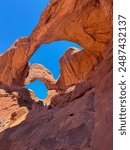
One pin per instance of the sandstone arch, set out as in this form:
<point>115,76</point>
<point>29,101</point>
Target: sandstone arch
<point>88,23</point>
<point>77,23</point>
<point>39,72</point>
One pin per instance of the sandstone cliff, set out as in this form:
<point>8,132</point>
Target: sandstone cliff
<point>77,113</point>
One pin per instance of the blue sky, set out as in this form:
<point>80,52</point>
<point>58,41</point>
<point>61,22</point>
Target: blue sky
<point>18,18</point>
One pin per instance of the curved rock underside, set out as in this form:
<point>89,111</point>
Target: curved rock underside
<point>39,72</point>
<point>86,22</point>
<point>77,113</point>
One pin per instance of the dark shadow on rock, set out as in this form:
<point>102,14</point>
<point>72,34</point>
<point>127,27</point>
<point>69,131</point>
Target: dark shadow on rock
<point>23,95</point>
<point>51,126</point>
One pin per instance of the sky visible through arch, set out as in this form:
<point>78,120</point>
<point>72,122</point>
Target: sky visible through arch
<point>17,19</point>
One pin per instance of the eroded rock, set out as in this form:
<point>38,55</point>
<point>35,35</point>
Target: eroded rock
<point>79,115</point>
<point>71,20</point>
<point>75,67</point>
<point>21,100</point>
<point>39,72</point>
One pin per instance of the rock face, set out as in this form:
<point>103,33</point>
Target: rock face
<point>75,67</point>
<point>77,113</point>
<point>102,81</point>
<point>80,118</point>
<point>39,72</point>
<point>10,101</point>
<point>71,20</point>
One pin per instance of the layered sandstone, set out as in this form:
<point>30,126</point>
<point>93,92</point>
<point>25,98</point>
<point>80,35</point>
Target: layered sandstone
<point>76,66</point>
<point>77,113</point>
<point>39,72</point>
<point>72,20</point>
<point>11,101</point>
<point>80,118</point>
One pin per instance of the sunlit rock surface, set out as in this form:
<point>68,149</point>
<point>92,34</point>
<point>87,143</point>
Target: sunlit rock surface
<point>77,112</point>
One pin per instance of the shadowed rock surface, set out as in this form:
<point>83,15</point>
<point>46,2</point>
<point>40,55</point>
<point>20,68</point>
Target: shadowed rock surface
<point>77,113</point>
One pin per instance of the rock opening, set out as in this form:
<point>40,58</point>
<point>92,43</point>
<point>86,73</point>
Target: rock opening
<point>47,55</point>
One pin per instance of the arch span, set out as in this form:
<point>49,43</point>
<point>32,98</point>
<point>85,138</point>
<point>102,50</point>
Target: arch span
<point>58,22</point>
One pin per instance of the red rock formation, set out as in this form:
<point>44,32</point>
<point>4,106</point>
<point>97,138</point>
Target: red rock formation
<point>78,110</point>
<point>11,101</point>
<point>71,20</point>
<point>75,67</point>
<point>102,81</point>
<point>39,72</point>
<point>80,118</point>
